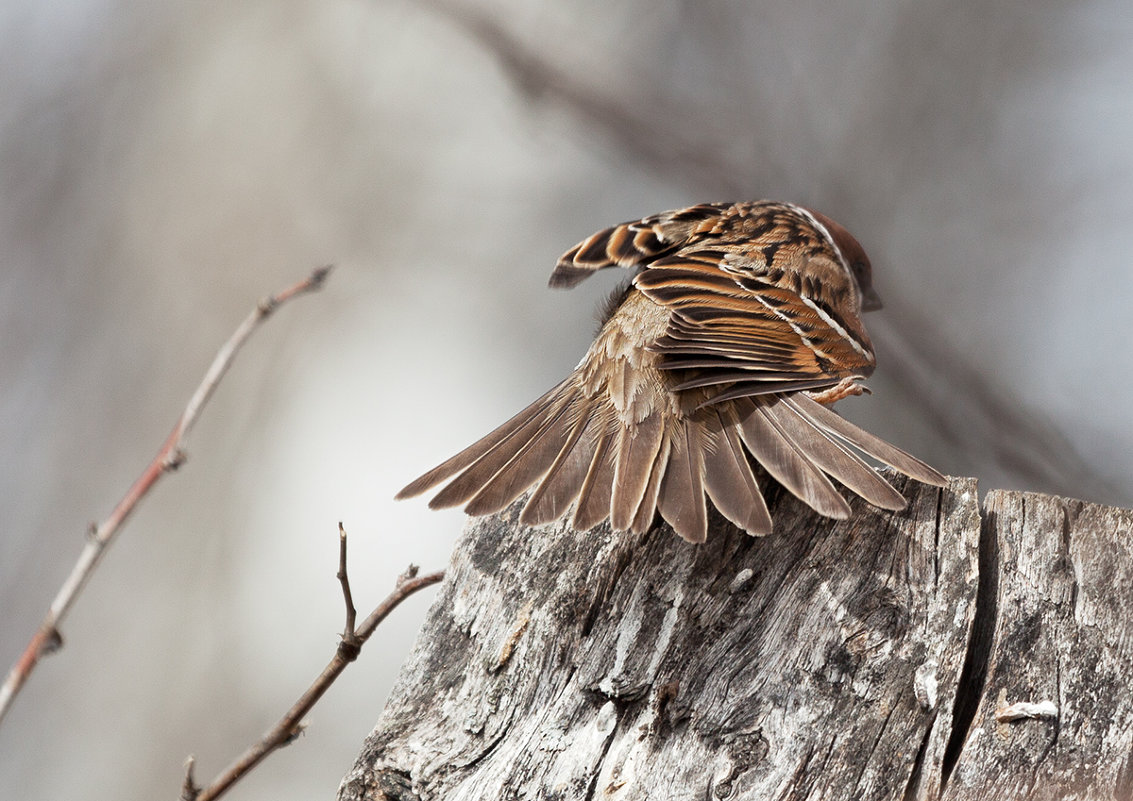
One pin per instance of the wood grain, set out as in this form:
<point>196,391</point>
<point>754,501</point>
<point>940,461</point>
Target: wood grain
<point>1060,652</point>
<point>821,661</point>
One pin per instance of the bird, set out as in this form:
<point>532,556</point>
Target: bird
<point>737,329</point>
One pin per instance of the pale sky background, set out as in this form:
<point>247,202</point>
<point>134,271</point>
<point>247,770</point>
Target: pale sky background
<point>165,164</point>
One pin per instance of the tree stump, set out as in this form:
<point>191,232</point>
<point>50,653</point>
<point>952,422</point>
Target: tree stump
<point>931,653</point>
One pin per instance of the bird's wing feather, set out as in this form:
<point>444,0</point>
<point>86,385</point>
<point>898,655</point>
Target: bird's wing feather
<point>728,325</point>
<point>634,243</point>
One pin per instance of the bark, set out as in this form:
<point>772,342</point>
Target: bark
<point>1056,632</point>
<point>881,657</point>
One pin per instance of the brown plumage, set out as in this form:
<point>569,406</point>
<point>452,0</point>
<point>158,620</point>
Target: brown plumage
<point>741,322</point>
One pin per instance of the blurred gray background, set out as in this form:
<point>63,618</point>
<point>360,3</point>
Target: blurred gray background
<point>165,164</point>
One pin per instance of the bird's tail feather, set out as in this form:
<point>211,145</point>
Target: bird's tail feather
<point>681,499</point>
<point>647,504</point>
<point>870,444</point>
<point>641,454</point>
<point>482,459</point>
<point>575,449</point>
<point>567,474</point>
<point>831,456</point>
<point>593,503</point>
<point>787,460</point>
<point>567,445</point>
<point>728,477</point>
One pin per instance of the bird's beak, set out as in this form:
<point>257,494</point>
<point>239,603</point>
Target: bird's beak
<point>871,301</point>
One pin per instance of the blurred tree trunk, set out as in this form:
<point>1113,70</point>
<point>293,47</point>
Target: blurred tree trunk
<point>925,654</point>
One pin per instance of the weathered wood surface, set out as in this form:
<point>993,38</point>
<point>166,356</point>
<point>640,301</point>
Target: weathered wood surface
<point>830,660</point>
<point>1060,639</point>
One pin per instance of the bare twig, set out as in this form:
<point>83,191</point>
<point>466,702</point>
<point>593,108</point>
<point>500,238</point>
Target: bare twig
<point>291,725</point>
<point>344,580</point>
<point>189,785</point>
<point>169,457</point>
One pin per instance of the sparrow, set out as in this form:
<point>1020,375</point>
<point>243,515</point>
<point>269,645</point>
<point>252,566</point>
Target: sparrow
<point>740,326</point>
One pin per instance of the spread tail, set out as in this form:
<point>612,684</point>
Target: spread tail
<point>575,450</point>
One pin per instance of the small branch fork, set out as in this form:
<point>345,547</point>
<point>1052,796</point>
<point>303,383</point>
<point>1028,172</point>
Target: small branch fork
<point>291,725</point>
<point>172,454</point>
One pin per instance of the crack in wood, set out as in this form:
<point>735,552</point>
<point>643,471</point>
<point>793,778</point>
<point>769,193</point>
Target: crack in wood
<point>805,682</point>
<point>973,675</point>
<point>1066,555</point>
<point>913,786</point>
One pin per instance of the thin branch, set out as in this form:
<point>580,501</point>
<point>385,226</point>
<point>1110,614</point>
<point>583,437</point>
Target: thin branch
<point>344,579</point>
<point>291,725</point>
<point>189,785</point>
<point>169,457</point>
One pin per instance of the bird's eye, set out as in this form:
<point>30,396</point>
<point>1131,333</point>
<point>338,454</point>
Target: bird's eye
<point>859,270</point>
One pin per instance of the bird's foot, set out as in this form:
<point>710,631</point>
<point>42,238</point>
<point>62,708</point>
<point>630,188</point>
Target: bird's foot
<point>843,389</point>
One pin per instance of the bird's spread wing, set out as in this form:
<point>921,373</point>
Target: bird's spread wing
<point>734,321</point>
<point>632,244</point>
<point>747,306</point>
